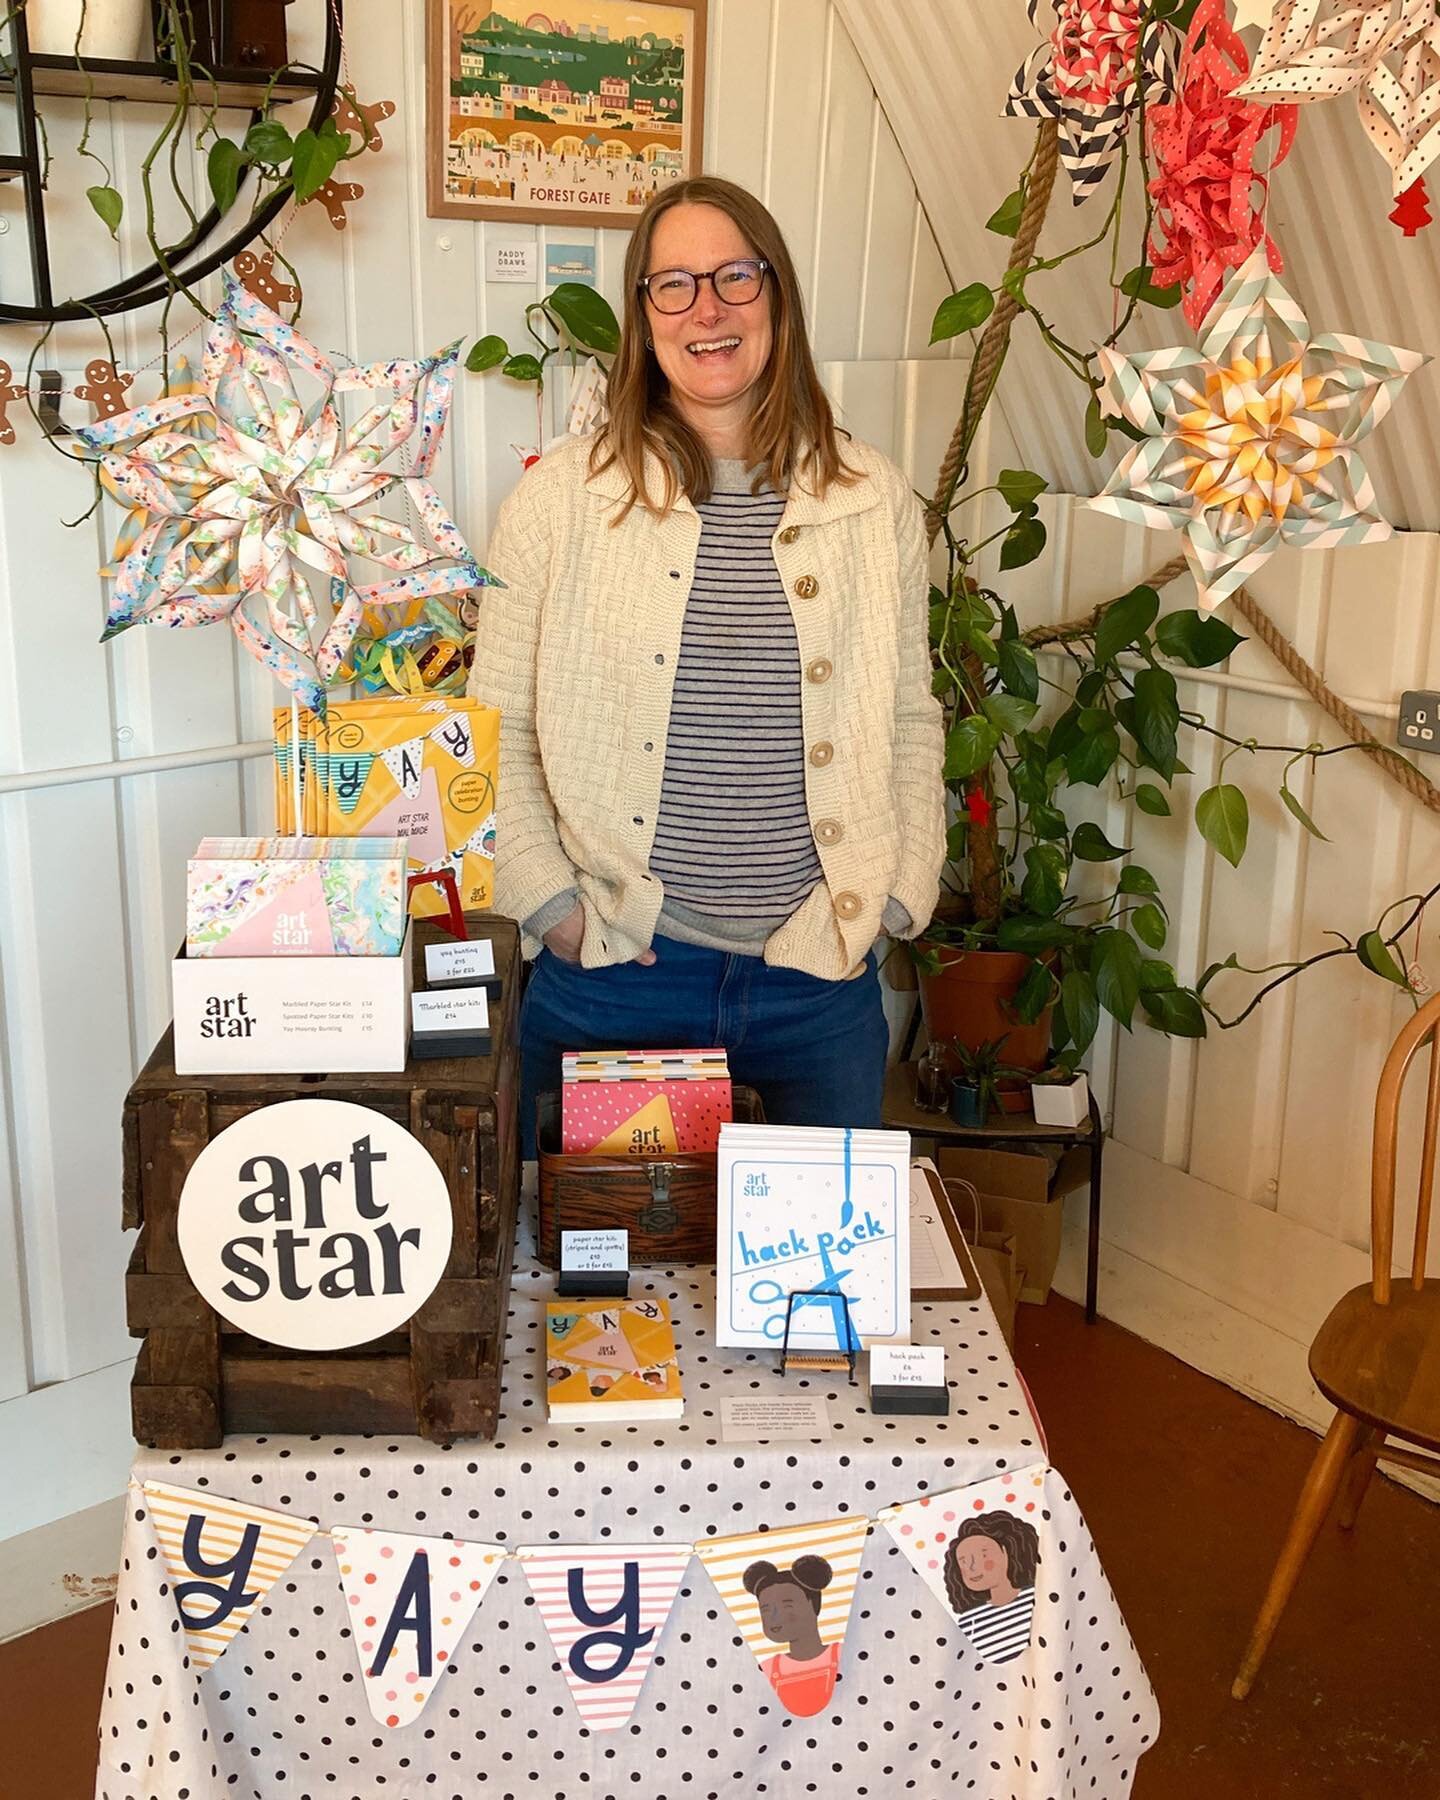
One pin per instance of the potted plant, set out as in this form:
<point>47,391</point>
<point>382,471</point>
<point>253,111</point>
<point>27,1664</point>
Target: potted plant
<point>1061,1096</point>
<point>975,1091</point>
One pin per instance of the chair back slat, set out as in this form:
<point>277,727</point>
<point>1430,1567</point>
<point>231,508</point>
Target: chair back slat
<point>1414,1035</point>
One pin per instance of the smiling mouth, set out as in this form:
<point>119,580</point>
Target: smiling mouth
<point>713,347</point>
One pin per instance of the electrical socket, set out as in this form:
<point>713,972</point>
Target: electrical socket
<point>1419,724</point>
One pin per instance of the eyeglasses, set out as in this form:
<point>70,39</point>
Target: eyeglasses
<point>736,283</point>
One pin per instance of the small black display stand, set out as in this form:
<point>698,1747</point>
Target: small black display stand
<point>800,1358</point>
<point>597,1284</point>
<point>927,1400</point>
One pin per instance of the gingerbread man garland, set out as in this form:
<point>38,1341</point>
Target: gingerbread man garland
<point>257,274</point>
<point>7,394</point>
<point>105,387</point>
<point>335,196</point>
<point>363,121</point>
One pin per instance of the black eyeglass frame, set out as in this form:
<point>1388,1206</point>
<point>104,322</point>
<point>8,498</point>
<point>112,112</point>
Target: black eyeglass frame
<point>699,275</point>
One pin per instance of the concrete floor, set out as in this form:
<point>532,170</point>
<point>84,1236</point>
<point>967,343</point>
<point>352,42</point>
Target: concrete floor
<point>1187,1489</point>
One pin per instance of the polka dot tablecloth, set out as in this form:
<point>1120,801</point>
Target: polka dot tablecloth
<point>283,1712</point>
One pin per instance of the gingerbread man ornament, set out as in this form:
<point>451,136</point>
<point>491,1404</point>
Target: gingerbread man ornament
<point>104,387</point>
<point>7,394</point>
<point>335,196</point>
<point>361,119</point>
<point>257,273</point>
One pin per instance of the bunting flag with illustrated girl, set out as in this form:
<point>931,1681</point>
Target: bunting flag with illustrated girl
<point>790,1593</point>
<point>224,1556</point>
<point>409,1599</point>
<point>605,1607</point>
<point>978,1551</point>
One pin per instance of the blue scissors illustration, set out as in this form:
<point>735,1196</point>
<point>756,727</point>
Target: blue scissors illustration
<point>829,1294</point>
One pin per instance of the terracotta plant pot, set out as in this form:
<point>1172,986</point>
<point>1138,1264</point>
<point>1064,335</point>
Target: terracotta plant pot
<point>971,998</point>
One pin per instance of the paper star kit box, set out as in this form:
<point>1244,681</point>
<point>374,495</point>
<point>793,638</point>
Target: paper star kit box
<point>643,1103</point>
<point>420,769</point>
<point>296,897</point>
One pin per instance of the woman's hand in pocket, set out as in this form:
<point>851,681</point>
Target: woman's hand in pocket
<point>564,940</point>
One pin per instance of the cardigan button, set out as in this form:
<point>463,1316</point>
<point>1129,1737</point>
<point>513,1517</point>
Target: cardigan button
<point>789,534</point>
<point>820,670</point>
<point>806,588</point>
<point>820,754</point>
<point>829,831</point>
<point>847,905</point>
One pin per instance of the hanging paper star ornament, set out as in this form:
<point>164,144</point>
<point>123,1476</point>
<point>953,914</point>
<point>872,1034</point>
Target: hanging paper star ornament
<point>1202,149</point>
<point>246,491</point>
<point>1249,440</point>
<point>1386,52</point>
<point>1083,76</point>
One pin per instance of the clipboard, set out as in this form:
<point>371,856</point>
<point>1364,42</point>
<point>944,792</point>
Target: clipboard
<point>933,1224</point>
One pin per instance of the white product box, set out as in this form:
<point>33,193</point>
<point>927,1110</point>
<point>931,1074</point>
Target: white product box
<point>292,1015</point>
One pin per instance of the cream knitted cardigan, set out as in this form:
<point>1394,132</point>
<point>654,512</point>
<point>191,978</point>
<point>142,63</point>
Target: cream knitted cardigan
<point>578,650</point>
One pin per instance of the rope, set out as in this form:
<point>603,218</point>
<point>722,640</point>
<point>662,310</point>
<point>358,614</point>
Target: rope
<point>983,373</point>
<point>996,336</point>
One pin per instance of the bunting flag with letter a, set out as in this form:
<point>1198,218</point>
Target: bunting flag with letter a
<point>224,1556</point>
<point>977,1549</point>
<point>409,1600</point>
<point>605,1607</point>
<point>790,1593</point>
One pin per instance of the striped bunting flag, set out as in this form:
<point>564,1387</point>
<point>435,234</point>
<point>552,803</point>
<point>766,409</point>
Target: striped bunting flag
<point>605,1606</point>
<point>223,1556</point>
<point>790,1593</point>
<point>977,1549</point>
<point>409,1600</point>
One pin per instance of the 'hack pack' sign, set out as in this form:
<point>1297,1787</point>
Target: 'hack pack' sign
<point>315,1223</point>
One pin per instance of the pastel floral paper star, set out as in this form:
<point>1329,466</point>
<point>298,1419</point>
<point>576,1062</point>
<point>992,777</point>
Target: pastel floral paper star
<point>1250,439</point>
<point>1083,76</point>
<point>1202,150</point>
<point>245,491</point>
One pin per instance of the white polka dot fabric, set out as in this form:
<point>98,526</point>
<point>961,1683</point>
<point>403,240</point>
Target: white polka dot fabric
<point>284,1713</point>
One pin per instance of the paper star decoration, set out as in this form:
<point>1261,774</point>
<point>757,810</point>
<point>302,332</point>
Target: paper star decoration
<point>1250,439</point>
<point>1388,53</point>
<point>1083,77</point>
<point>1253,12</point>
<point>245,490</point>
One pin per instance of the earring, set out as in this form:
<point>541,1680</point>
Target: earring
<point>649,343</point>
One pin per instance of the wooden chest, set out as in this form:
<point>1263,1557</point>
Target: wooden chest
<point>199,1378</point>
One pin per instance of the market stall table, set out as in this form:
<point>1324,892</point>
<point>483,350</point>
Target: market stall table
<point>283,1710</point>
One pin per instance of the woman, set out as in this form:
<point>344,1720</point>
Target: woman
<point>720,756</point>
<point>990,1569</point>
<point>803,1676</point>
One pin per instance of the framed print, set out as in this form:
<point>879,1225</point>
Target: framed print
<point>574,115</point>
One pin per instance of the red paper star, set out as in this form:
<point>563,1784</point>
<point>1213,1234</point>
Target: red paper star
<point>1203,148</point>
<point>977,804</point>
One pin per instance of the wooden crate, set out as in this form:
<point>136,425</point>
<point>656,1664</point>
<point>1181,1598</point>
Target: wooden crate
<point>198,1377</point>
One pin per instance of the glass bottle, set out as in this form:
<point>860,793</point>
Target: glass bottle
<point>932,1083</point>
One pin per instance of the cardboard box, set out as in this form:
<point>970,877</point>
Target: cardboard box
<point>291,1015</point>
<point>1015,1196</point>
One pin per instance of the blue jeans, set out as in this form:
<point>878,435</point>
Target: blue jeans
<point>813,1050</point>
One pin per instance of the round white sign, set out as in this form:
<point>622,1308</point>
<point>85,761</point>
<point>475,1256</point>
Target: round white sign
<point>315,1223</point>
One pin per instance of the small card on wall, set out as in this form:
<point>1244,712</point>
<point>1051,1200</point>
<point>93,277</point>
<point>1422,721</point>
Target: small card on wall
<point>471,964</point>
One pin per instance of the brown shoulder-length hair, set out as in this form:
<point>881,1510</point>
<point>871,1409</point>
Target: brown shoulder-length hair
<point>792,429</point>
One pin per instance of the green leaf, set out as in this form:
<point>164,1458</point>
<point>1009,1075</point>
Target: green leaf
<point>1090,844</point>
<point>1020,933</point>
<point>1223,815</point>
<point>1148,923</point>
<point>1034,993</point>
<point>1175,1011</point>
<point>1008,712</point>
<point>1374,952</point>
<point>1150,800</point>
<point>1157,717</point>
<point>1137,285</point>
<point>1097,435</point>
<point>955,839</point>
<point>969,746</point>
<point>1116,968</point>
<point>1190,638</point>
<point>1018,671</point>
<point>1005,220</point>
<point>1065,733</point>
<point>313,161</point>
<point>523,368</point>
<point>587,316</point>
<point>1298,811</point>
<point>1047,822</point>
<point>1020,487</point>
<point>1081,1008</point>
<point>268,141</point>
<point>1124,621</point>
<point>108,205</point>
<point>1135,880</point>
<point>1043,888</point>
<point>1156,975</point>
<point>1093,757</point>
<point>223,167</point>
<point>486,353</point>
<point>965,311</point>
<point>1022,543</point>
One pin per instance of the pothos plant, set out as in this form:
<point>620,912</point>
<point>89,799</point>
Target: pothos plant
<point>571,318</point>
<point>1022,744</point>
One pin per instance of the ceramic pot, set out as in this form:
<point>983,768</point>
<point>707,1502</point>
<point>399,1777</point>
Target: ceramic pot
<point>114,29</point>
<point>971,997</point>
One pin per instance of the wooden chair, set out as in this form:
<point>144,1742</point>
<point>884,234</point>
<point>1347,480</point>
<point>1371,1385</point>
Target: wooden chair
<point>1377,1356</point>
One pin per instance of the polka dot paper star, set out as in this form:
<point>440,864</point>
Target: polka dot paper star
<point>1250,438</point>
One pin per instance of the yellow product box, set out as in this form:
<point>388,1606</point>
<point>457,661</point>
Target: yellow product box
<point>423,769</point>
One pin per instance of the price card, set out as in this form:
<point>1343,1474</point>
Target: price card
<point>587,1252</point>
<point>449,965</point>
<point>465,1010</point>
<point>907,1365</point>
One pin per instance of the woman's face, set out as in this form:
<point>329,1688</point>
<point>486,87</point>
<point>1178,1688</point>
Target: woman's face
<point>785,1613</point>
<point>983,1565</point>
<point>700,238</point>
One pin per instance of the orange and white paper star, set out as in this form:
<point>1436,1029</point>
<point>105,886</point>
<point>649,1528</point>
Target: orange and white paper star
<point>1250,439</point>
